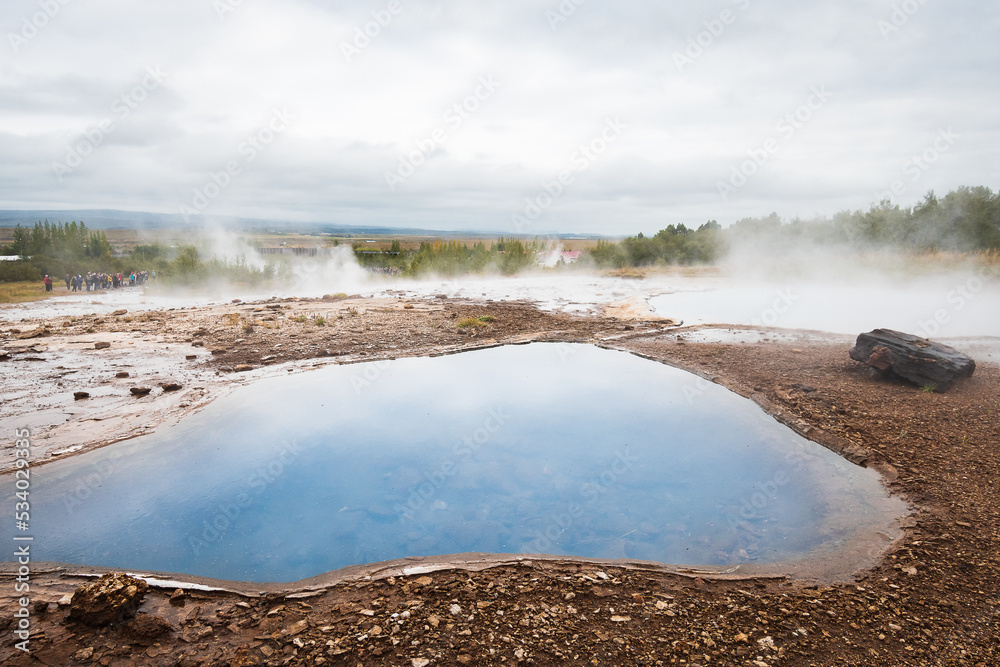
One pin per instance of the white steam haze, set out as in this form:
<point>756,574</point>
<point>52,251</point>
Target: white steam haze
<point>528,116</point>
<point>289,111</point>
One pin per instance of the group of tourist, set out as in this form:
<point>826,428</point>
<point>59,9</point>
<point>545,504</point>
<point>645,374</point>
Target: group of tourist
<point>98,281</point>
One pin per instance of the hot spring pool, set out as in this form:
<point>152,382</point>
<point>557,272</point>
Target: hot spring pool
<point>546,448</point>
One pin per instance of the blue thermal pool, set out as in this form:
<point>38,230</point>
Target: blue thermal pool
<point>544,448</point>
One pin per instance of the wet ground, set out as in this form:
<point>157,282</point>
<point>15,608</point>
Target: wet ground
<point>933,600</point>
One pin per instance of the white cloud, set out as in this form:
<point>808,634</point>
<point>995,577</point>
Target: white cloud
<point>688,126</point>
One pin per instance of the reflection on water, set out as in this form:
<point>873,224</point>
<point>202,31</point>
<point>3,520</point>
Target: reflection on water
<point>559,449</point>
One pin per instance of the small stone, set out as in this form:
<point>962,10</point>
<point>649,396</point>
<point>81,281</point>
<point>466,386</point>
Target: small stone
<point>171,386</point>
<point>661,605</point>
<point>242,368</point>
<point>80,395</point>
<point>296,628</point>
<point>120,311</point>
<point>102,345</point>
<point>455,610</point>
<point>420,662</point>
<point>140,391</point>
<point>910,570</point>
<point>84,654</point>
<point>178,597</point>
<point>741,637</point>
<point>191,357</point>
<point>620,619</point>
<point>122,374</point>
<point>894,627</point>
<point>423,581</point>
<point>434,621</point>
<point>569,596</point>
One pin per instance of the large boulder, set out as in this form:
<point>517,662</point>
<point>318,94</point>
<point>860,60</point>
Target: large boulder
<point>912,358</point>
<point>113,598</point>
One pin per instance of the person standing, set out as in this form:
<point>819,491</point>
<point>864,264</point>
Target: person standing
<point>47,282</point>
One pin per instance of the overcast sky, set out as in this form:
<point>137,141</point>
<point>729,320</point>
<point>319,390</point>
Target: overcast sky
<point>523,115</point>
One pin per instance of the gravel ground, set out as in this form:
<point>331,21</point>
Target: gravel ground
<point>933,600</point>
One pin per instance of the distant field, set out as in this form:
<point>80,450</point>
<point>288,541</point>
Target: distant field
<point>25,291</point>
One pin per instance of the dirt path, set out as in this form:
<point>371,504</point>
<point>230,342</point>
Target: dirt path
<point>934,600</point>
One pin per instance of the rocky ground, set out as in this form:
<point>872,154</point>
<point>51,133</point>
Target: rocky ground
<point>933,600</point>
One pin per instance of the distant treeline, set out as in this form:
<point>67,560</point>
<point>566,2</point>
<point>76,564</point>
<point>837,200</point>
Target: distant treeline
<point>54,250</point>
<point>505,256</point>
<point>71,248</point>
<point>965,220</point>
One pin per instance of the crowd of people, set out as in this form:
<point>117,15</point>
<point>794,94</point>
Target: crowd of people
<point>99,281</point>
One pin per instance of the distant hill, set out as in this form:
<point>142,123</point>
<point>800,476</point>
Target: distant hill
<point>114,219</point>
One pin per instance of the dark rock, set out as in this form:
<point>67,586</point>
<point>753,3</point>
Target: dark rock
<point>191,357</point>
<point>178,597</point>
<point>912,358</point>
<point>122,374</point>
<point>145,629</point>
<point>171,386</point>
<point>102,345</point>
<point>120,311</point>
<point>242,368</point>
<point>140,391</point>
<point>80,395</point>
<point>111,599</point>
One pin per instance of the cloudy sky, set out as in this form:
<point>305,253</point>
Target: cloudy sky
<point>518,116</point>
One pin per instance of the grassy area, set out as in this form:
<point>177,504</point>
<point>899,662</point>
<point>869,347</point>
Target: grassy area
<point>482,321</point>
<point>21,292</point>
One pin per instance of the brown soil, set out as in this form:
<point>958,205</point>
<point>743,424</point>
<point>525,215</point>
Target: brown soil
<point>933,600</point>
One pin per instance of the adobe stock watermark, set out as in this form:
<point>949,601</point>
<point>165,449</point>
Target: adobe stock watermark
<point>248,150</point>
<point>364,34</point>
<point>224,8</point>
<point>32,25</point>
<point>581,160</point>
<point>121,108</point>
<point>770,316</point>
<point>957,298</point>
<point>899,17</point>
<point>86,486</point>
<point>221,518</point>
<point>454,117</point>
<point>916,166</point>
<point>590,492</point>
<point>786,127</point>
<point>369,374</point>
<point>763,494</point>
<point>562,12</point>
<point>471,443</point>
<point>697,45</point>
